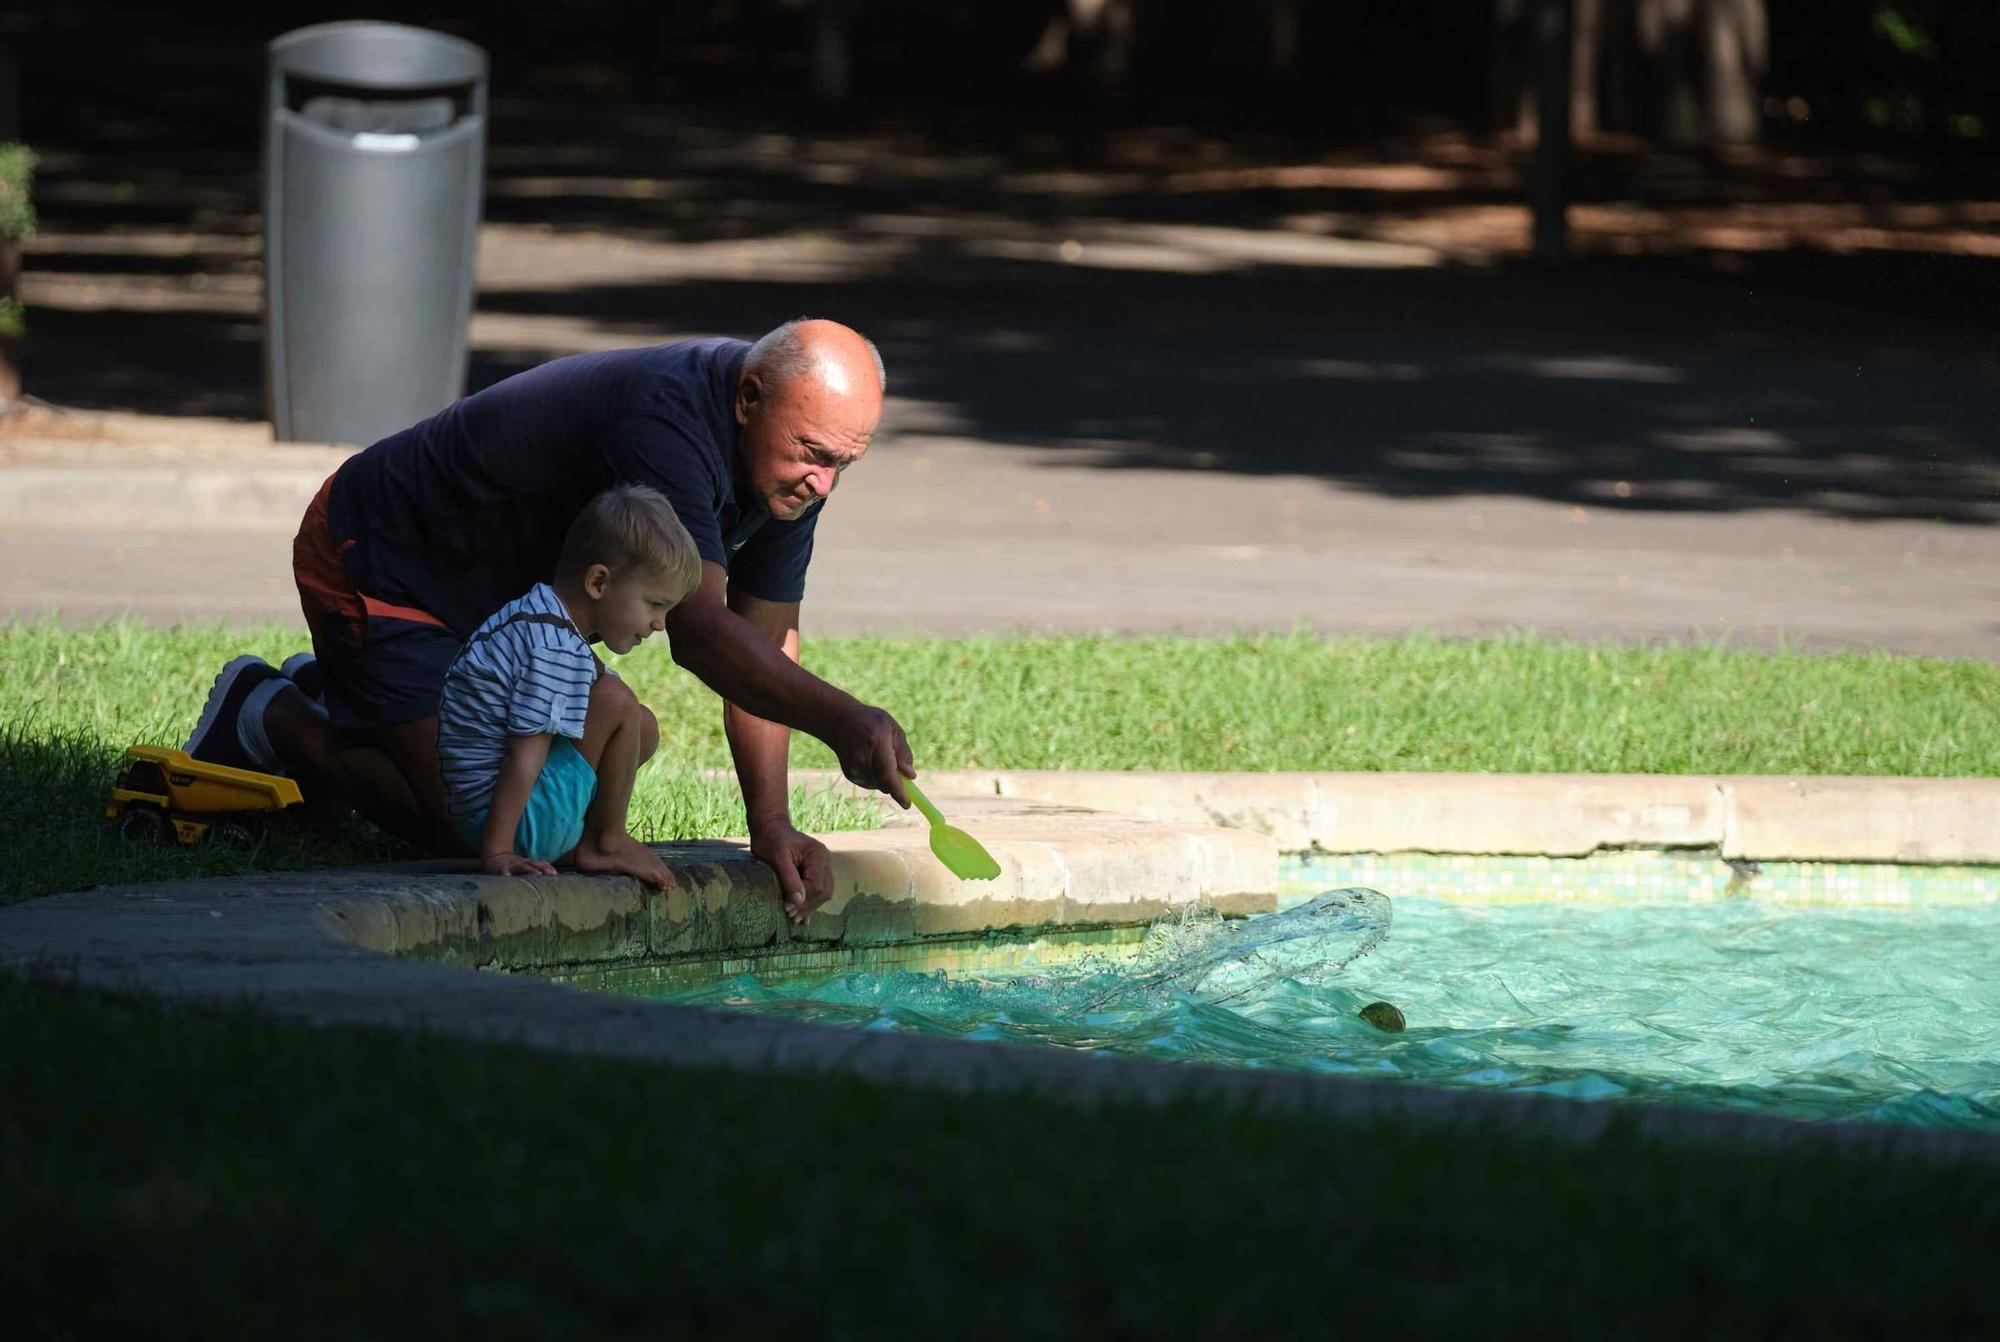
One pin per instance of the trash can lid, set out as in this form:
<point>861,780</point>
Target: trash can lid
<point>377,56</point>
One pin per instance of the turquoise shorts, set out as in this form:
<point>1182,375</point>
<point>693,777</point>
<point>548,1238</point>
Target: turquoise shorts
<point>552,823</point>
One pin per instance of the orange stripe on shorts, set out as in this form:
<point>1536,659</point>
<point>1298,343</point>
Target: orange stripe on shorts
<point>324,587</point>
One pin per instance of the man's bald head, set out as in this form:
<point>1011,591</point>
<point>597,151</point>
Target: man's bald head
<point>807,403</point>
<point>839,356</point>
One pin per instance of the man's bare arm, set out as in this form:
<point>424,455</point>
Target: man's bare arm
<point>741,663</point>
<point>760,747</point>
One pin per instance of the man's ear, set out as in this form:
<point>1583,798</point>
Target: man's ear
<point>749,393</point>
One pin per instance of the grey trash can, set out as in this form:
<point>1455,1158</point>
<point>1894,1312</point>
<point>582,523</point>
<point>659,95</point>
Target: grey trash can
<point>374,154</point>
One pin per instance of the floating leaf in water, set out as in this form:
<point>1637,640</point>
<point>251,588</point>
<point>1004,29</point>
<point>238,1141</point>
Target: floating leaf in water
<point>1384,1016</point>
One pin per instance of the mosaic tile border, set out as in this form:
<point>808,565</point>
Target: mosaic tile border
<point>985,954</point>
<point>1696,876</point>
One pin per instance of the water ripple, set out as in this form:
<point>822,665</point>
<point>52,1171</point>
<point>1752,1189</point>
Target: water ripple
<point>1886,1014</point>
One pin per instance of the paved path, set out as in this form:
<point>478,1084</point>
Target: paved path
<point>1125,399</point>
<point>946,535</point>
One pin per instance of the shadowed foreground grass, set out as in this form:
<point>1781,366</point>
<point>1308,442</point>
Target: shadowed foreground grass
<point>178,1174</point>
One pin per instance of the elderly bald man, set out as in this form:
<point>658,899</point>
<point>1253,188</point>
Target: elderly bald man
<point>415,541</point>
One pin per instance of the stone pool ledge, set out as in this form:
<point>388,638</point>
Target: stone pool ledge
<point>394,947</point>
<point>1061,869</point>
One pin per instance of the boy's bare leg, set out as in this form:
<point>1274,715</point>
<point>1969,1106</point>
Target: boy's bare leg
<point>619,734</point>
<point>396,783</point>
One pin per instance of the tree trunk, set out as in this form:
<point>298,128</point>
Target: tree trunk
<point>1094,41</point>
<point>1621,82</point>
<point>1513,77</point>
<point>1738,54</point>
<point>1549,188</point>
<point>1667,29</point>
<point>1283,52</point>
<point>10,340</point>
<point>10,97</point>
<point>1110,30</point>
<point>1510,86</point>
<point>1685,71</point>
<point>832,51</point>
<point>10,249</point>
<point>1585,45</point>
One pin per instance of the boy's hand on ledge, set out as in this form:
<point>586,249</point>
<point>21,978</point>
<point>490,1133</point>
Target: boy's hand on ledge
<point>513,864</point>
<point>801,864</point>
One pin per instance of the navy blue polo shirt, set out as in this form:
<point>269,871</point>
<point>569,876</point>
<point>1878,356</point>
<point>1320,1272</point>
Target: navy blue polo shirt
<point>466,511</point>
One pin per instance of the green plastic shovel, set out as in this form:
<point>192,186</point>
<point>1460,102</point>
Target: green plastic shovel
<point>963,856</point>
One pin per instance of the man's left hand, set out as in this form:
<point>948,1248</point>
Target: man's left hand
<point>803,868</point>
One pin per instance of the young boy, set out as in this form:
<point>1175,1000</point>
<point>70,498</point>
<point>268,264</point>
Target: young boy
<point>539,742</point>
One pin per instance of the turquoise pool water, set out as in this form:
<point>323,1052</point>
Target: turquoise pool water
<point>1889,1014</point>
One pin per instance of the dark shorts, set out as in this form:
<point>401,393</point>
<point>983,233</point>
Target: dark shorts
<point>384,664</point>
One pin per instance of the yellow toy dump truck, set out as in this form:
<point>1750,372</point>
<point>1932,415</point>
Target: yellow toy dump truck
<point>162,791</point>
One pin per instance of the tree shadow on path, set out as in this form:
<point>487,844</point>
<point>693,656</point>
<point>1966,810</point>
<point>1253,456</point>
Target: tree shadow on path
<point>1166,298</point>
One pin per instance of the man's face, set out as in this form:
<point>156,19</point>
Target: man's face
<point>797,440</point>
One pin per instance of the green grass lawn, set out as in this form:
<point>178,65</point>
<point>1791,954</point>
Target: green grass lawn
<point>168,1172</point>
<point>1513,705</point>
<point>71,700</point>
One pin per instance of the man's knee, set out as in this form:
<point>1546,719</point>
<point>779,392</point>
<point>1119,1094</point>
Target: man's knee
<point>412,743</point>
<point>413,748</point>
<point>298,733</point>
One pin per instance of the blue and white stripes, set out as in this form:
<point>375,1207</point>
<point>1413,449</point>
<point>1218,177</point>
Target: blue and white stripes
<point>527,671</point>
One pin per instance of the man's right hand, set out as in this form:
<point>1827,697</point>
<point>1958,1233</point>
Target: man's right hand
<point>873,752</point>
<point>740,661</point>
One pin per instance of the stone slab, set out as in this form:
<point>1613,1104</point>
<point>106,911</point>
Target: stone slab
<point>1921,820</point>
<point>1830,819</point>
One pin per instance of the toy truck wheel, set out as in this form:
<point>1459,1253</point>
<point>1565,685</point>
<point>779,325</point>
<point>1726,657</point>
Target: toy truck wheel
<point>142,824</point>
<point>234,834</point>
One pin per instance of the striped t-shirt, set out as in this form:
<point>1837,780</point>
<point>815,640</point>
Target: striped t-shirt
<point>526,672</point>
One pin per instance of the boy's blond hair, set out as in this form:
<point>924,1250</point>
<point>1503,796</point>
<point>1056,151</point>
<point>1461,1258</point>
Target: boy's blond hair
<point>630,527</point>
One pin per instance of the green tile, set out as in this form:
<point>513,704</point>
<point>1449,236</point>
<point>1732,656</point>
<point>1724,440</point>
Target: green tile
<point>1639,874</point>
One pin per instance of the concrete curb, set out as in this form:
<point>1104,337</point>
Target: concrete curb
<point>1825,819</point>
<point>248,497</point>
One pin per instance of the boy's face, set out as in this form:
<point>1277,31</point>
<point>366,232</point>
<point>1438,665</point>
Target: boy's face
<point>630,606</point>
